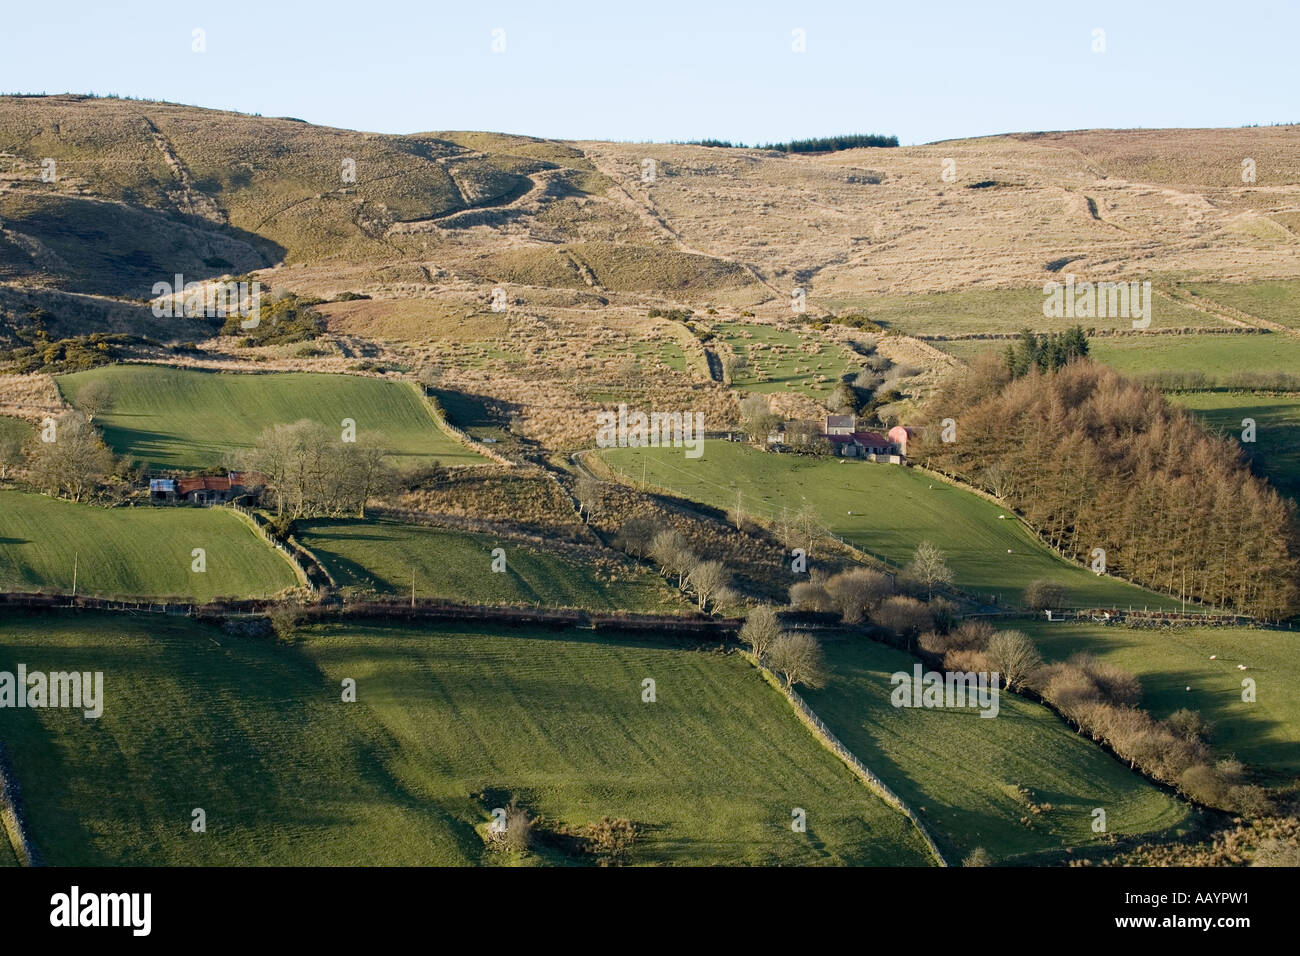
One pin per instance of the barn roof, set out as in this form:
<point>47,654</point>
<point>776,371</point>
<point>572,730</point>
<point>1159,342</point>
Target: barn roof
<point>185,486</point>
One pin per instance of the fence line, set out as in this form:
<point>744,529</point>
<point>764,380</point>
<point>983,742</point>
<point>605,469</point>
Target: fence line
<point>260,530</point>
<point>439,416</point>
<point>832,743</point>
<point>11,813</point>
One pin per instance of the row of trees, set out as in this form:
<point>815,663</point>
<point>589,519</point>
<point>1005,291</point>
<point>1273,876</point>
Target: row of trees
<point>1094,461</point>
<point>708,580</point>
<point>795,655</point>
<point>1103,701</point>
<point>312,471</point>
<point>1047,352</point>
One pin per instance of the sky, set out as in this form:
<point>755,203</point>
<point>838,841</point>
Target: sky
<point>636,70</point>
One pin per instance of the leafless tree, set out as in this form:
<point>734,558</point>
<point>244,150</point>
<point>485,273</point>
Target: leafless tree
<point>756,416</point>
<point>591,497</point>
<point>74,463</point>
<point>1014,656</point>
<point>708,578</point>
<point>811,596</point>
<point>858,590</point>
<point>671,551</point>
<point>762,629</point>
<point>928,567</point>
<point>797,656</point>
<point>95,398</point>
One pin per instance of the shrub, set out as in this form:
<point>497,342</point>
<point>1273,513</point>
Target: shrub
<point>1189,724</point>
<point>1042,595</point>
<point>810,596</point>
<point>978,857</point>
<point>285,618</point>
<point>1249,801</point>
<point>966,661</point>
<point>611,840</point>
<point>1277,853</point>
<point>904,617</point>
<point>855,592</point>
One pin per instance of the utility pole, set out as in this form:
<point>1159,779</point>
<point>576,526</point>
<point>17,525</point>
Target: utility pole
<point>76,557</point>
<point>412,588</point>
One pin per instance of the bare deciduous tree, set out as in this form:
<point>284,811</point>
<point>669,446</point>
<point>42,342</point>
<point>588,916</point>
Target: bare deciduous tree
<point>756,416</point>
<point>74,463</point>
<point>797,656</point>
<point>811,596</point>
<point>1014,656</point>
<point>671,551</point>
<point>857,591</point>
<point>591,498</point>
<point>313,472</point>
<point>928,567</point>
<point>95,398</point>
<point>708,579</point>
<point>762,629</point>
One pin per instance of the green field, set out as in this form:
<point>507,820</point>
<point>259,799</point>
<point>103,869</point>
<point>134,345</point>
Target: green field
<point>456,565</point>
<point>893,510</point>
<point>964,769</point>
<point>1000,310</point>
<point>1215,355</point>
<point>1276,449</point>
<point>256,735</point>
<point>182,418</point>
<point>1278,301</point>
<point>777,361</point>
<point>133,552</point>
<point>1263,734</point>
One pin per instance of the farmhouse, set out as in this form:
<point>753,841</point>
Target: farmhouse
<point>840,425</point>
<point>844,438</point>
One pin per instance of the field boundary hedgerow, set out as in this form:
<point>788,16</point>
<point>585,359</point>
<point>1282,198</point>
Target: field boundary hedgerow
<point>398,608</point>
<point>808,717</point>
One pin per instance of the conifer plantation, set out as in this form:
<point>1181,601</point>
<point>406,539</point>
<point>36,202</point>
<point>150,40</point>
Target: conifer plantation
<point>1093,460</point>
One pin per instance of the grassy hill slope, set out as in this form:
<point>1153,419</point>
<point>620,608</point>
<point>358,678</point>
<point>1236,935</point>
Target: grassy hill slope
<point>256,735</point>
<point>886,510</point>
<point>133,552</point>
<point>183,418</point>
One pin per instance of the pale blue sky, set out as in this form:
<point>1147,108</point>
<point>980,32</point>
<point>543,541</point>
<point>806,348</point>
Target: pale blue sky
<point>628,70</point>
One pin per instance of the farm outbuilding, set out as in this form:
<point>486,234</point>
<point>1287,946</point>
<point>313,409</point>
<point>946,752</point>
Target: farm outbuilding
<point>900,435</point>
<point>206,490</point>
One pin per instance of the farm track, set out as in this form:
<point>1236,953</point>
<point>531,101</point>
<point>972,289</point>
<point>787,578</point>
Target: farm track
<point>1226,313</point>
<point>644,209</point>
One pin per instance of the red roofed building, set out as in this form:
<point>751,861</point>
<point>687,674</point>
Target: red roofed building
<point>210,489</point>
<point>872,443</point>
